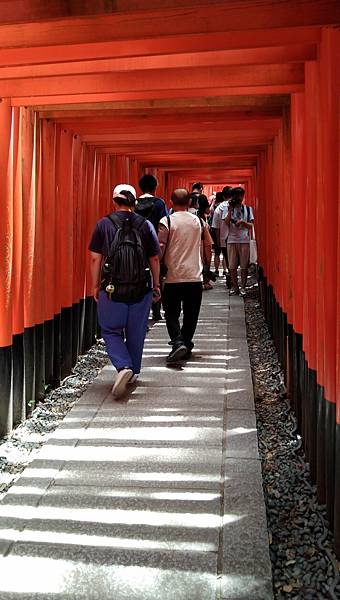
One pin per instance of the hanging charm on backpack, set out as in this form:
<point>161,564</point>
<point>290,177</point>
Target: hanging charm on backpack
<point>110,289</point>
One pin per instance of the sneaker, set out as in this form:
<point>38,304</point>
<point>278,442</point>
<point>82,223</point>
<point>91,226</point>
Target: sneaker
<point>217,273</point>
<point>177,353</point>
<point>224,273</point>
<point>188,355</point>
<point>122,379</point>
<point>242,292</point>
<point>234,292</point>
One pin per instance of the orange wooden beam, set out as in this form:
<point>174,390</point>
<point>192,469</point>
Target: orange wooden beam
<point>141,127</point>
<point>258,56</point>
<point>236,16</point>
<point>176,94</point>
<point>209,103</point>
<point>158,79</point>
<point>156,47</point>
<point>13,11</point>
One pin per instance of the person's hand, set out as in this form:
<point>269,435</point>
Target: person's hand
<point>156,293</point>
<point>96,293</point>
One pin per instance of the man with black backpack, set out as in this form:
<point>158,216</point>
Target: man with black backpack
<point>125,274</point>
<point>153,209</point>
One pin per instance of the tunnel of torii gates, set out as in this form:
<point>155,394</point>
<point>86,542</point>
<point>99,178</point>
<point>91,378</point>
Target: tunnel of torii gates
<point>95,93</point>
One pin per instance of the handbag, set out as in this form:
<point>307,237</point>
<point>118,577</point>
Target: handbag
<point>253,248</point>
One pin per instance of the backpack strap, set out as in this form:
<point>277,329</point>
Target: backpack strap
<point>114,220</point>
<point>202,228</point>
<point>138,224</point>
<point>169,226</point>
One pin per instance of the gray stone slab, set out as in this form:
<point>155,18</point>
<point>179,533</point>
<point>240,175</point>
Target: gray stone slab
<point>207,433</point>
<point>241,434</point>
<point>173,420</point>
<point>241,398</point>
<point>165,398</point>
<point>5,546</point>
<point>246,562</point>
<point>91,573</point>
<point>182,377</point>
<point>130,521</point>
<point>102,465</point>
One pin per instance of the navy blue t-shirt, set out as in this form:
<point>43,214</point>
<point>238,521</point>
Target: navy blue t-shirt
<point>104,233</point>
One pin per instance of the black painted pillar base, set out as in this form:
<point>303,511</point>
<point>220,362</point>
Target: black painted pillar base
<point>337,492</point>
<point>49,351</point>
<point>39,362</point>
<point>29,368</point>
<point>18,371</point>
<point>6,396</point>
<point>312,423</point>
<point>89,325</point>
<point>75,332</point>
<point>321,445</point>
<point>56,352</point>
<point>82,307</point>
<point>330,414</point>
<point>66,341</point>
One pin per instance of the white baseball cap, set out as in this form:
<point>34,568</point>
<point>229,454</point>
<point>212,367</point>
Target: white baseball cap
<point>124,186</point>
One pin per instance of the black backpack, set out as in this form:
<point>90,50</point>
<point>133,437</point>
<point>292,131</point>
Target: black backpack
<point>125,270</point>
<point>148,210</point>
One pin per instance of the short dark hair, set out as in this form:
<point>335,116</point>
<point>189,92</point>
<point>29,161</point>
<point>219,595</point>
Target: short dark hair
<point>193,199</point>
<point>148,183</point>
<point>180,197</point>
<point>203,206</point>
<point>219,198</point>
<point>237,191</point>
<point>203,202</point>
<point>197,186</point>
<point>125,198</point>
<point>227,191</point>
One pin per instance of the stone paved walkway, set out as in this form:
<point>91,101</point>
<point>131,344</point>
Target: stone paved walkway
<point>157,497</point>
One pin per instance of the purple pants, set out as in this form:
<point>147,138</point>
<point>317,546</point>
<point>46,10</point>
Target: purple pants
<point>124,328</point>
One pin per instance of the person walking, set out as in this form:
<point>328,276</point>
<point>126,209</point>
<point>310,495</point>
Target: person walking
<point>153,209</point>
<point>206,241</point>
<point>221,231</point>
<point>240,220</point>
<point>124,251</point>
<point>180,241</point>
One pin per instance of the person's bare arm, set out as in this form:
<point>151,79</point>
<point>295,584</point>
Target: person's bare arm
<point>96,261</point>
<point>154,266</point>
<point>208,242</point>
<point>245,224</point>
<point>163,235</point>
<point>228,217</point>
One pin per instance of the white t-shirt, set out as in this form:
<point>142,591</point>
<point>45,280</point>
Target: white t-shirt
<point>220,214</point>
<point>240,235</point>
<point>183,250</point>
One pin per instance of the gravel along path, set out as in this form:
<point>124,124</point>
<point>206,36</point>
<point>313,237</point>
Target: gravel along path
<point>301,545</point>
<point>20,447</point>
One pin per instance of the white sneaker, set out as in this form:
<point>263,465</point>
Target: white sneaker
<point>242,292</point>
<point>121,382</point>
